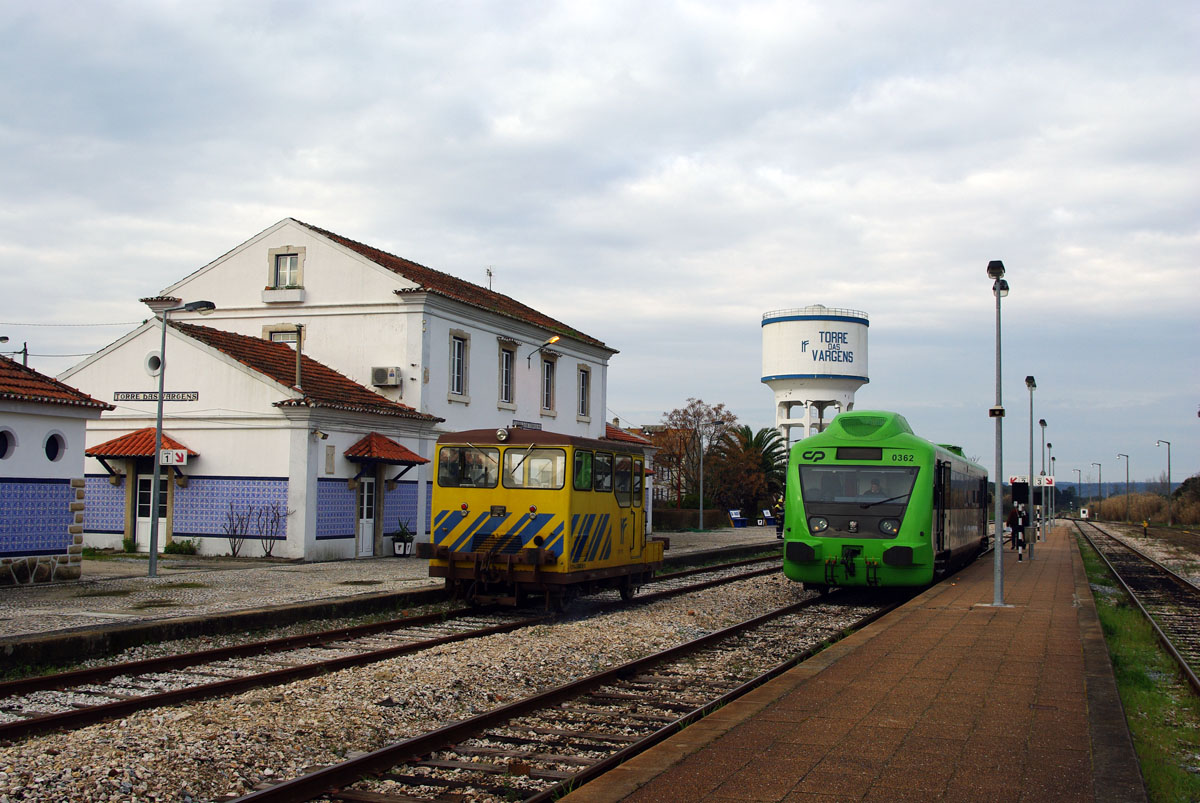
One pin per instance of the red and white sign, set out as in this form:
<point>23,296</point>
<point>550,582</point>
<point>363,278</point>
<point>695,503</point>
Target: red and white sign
<point>1038,481</point>
<point>172,457</point>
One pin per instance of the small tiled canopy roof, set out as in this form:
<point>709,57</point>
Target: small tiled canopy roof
<point>19,383</point>
<point>320,385</point>
<point>136,444</point>
<point>378,448</point>
<point>434,281</point>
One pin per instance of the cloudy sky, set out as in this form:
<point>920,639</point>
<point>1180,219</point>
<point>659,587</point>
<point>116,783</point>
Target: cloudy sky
<point>659,175</point>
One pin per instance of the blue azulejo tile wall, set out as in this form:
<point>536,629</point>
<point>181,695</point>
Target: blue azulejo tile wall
<point>336,509</point>
<point>105,511</point>
<point>203,506</point>
<point>35,515</point>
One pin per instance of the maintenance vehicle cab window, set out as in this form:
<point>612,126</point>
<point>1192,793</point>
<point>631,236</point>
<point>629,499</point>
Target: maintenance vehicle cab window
<point>535,468</point>
<point>603,472</point>
<point>583,470</point>
<point>468,467</point>
<point>623,470</point>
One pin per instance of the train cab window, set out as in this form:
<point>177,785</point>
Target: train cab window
<point>535,468</point>
<point>468,467</point>
<point>623,479</point>
<point>583,470</point>
<point>602,472</point>
<point>637,482</point>
<point>863,484</point>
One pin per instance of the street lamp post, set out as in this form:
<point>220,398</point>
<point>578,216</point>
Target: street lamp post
<point>1043,506</point>
<point>1053,488</point>
<point>995,271</point>
<point>1170,520</point>
<point>1031,383</point>
<point>1099,488</point>
<point>203,307</point>
<point>1050,488</point>
<point>1078,480</point>
<point>1119,456</point>
<point>24,352</point>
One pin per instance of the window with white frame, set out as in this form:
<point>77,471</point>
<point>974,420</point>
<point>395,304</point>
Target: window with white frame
<point>548,367</point>
<point>507,356</point>
<point>286,268</point>
<point>289,336</point>
<point>585,392</point>
<point>460,344</point>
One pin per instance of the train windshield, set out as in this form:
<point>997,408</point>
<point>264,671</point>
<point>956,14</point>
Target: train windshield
<point>534,468</point>
<point>866,485</point>
<point>468,467</point>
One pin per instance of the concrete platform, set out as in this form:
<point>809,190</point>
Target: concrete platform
<point>947,698</point>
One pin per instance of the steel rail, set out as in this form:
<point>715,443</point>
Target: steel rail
<point>1163,638</point>
<point>377,762</point>
<point>78,717</point>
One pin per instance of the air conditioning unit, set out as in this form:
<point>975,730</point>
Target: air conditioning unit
<point>385,376</point>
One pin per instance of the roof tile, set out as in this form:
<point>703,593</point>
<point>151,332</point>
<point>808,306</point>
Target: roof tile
<point>20,383</point>
<point>383,449</point>
<point>136,444</point>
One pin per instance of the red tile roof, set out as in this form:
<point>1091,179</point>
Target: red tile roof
<point>19,383</point>
<point>617,434</point>
<point>321,386</point>
<point>136,444</point>
<point>382,449</point>
<point>434,281</point>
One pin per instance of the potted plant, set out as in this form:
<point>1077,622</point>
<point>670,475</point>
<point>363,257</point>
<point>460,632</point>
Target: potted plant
<point>402,539</point>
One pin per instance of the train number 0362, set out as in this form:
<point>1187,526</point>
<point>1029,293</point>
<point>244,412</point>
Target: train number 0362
<point>902,458</point>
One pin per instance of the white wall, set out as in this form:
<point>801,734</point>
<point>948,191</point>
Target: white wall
<point>31,425</point>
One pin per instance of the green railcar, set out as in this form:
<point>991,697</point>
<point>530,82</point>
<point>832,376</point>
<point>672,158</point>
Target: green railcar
<point>868,503</point>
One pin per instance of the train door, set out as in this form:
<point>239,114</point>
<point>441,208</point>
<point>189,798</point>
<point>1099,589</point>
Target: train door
<point>623,490</point>
<point>366,517</point>
<point>638,510</point>
<point>941,496</point>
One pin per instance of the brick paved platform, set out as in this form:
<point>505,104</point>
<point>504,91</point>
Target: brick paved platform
<point>947,698</point>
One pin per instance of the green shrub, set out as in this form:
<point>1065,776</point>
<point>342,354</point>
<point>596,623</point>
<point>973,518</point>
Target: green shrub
<point>129,545</point>
<point>183,546</point>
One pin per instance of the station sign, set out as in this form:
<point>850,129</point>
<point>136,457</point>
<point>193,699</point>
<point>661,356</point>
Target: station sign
<point>173,457</point>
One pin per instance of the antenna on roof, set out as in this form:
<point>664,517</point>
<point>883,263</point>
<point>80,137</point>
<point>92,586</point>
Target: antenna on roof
<point>489,275</point>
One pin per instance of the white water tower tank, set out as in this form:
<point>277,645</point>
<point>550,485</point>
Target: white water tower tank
<point>815,358</point>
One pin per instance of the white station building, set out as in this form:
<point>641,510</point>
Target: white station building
<point>814,359</point>
<point>326,450</point>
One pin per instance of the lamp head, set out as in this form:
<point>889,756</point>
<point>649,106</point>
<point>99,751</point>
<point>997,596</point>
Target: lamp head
<point>3,338</point>
<point>202,307</point>
<point>1000,288</point>
<point>1030,382</point>
<point>1042,423</point>
<point>995,269</point>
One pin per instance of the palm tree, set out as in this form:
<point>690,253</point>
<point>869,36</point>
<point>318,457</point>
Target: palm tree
<point>748,467</point>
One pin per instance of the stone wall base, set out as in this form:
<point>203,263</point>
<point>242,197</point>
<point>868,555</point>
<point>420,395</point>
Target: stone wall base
<point>38,569</point>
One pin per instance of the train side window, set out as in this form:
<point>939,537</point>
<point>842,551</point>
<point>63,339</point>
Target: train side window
<point>535,468</point>
<point>623,476</point>
<point>583,470</point>
<point>602,472</point>
<point>468,467</point>
<point>637,481</point>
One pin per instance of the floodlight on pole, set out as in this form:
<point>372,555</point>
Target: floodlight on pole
<point>1119,456</point>
<point>1031,383</point>
<point>204,308</point>
<point>1170,517</point>
<point>995,272</point>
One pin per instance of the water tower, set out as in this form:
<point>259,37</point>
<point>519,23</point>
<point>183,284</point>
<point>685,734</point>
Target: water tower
<point>815,358</point>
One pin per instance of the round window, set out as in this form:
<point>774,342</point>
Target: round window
<point>153,363</point>
<point>7,444</point>
<point>55,447</point>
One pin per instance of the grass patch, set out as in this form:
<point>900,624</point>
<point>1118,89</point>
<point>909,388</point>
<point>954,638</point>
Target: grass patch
<point>360,582</point>
<point>185,584</point>
<point>1162,710</point>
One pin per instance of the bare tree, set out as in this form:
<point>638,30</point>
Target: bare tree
<point>694,429</point>
<point>235,527</point>
<point>269,521</point>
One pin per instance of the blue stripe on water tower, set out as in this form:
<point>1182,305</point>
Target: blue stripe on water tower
<point>814,376</point>
<point>844,318</point>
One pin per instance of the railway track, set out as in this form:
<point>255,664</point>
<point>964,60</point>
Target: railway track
<point>76,698</point>
<point>539,748</point>
<point>1169,602</point>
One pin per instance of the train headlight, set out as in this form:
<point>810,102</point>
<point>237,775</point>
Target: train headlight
<point>464,507</point>
<point>533,510</point>
<point>889,527</point>
<point>818,524</point>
